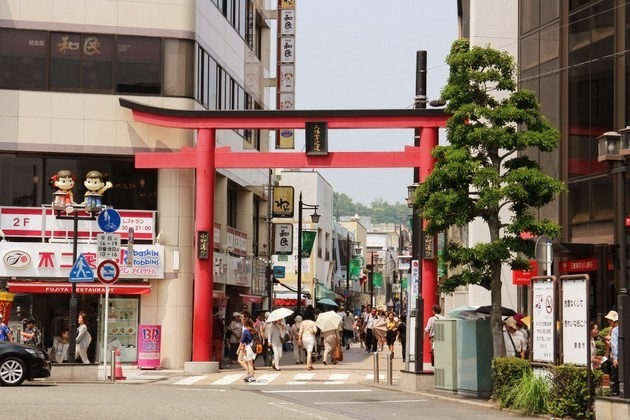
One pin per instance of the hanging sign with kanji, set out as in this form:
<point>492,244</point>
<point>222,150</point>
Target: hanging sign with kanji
<point>282,238</point>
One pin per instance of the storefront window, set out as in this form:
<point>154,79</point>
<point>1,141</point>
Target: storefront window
<point>138,65</point>
<point>96,62</point>
<point>23,59</point>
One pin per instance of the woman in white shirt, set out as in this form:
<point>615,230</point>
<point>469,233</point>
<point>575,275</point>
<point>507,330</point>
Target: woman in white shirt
<point>275,332</point>
<point>306,338</point>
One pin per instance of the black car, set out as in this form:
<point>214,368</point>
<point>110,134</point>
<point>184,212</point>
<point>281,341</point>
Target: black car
<point>19,362</point>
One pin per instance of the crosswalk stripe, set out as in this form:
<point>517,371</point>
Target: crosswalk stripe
<point>303,376</point>
<point>370,376</point>
<point>228,379</point>
<point>337,379</point>
<point>190,380</point>
<point>265,379</point>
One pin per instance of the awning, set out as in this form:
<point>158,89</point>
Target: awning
<point>96,288</point>
<point>251,298</point>
<point>323,292</point>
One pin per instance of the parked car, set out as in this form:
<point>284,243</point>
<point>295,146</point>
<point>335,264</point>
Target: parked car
<point>19,362</point>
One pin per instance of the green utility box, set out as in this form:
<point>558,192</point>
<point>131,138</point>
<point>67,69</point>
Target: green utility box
<point>445,354</point>
<point>474,358</point>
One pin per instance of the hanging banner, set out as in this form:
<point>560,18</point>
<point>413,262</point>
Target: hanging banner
<point>377,280</point>
<point>356,263</point>
<point>308,239</point>
<point>6,300</point>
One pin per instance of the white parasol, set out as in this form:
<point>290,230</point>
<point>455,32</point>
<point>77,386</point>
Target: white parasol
<point>279,313</point>
<point>327,321</point>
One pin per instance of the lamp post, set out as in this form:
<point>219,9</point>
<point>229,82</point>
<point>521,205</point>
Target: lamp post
<point>614,148</point>
<point>314,219</point>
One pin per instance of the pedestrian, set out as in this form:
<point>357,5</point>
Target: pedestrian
<point>428,331</point>
<point>331,340</point>
<point>522,329</point>
<point>402,336</point>
<point>5,331</point>
<point>59,350</point>
<point>218,334</point>
<point>246,353</point>
<point>383,318</point>
<point>31,335</point>
<point>306,337</point>
<point>298,350</point>
<point>392,331</point>
<point>236,332</point>
<point>347,323</point>
<point>596,361</point>
<point>275,332</point>
<point>364,316</point>
<point>514,344</point>
<point>359,331</point>
<point>613,342</point>
<point>83,338</point>
<point>371,341</point>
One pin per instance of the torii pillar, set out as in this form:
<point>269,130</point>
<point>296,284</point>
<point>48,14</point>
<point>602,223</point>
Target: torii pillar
<point>205,159</point>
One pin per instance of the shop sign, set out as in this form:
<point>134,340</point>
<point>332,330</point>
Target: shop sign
<point>149,346</point>
<point>54,260</point>
<point>578,266</point>
<point>38,222</point>
<point>282,238</point>
<point>239,271</point>
<point>237,240</point>
<point>524,277</point>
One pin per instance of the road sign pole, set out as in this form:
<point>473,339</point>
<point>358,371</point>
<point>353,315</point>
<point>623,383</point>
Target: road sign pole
<point>105,330</point>
<point>72,324</point>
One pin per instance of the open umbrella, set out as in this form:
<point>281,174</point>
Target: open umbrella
<point>279,313</point>
<point>456,311</point>
<point>327,321</point>
<point>380,328</point>
<point>504,311</point>
<point>329,302</point>
<point>471,315</point>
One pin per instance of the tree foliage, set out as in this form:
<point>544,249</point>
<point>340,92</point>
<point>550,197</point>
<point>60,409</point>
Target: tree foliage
<point>485,172</point>
<point>380,211</point>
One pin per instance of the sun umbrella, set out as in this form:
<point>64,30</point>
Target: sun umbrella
<point>471,315</point>
<point>380,327</point>
<point>456,311</point>
<point>279,313</point>
<point>504,311</point>
<point>329,302</point>
<point>327,321</point>
<point>527,321</point>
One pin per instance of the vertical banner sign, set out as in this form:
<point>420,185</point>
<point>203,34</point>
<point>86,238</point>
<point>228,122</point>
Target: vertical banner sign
<point>6,301</point>
<point>543,320</point>
<point>414,285</point>
<point>285,69</point>
<point>308,239</point>
<point>283,201</point>
<point>575,325</point>
<point>149,346</point>
<point>282,239</point>
<point>316,138</point>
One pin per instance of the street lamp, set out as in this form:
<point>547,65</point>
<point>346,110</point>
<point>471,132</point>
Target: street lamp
<point>411,191</point>
<point>315,219</point>
<point>614,148</point>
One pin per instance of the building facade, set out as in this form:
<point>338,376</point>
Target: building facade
<point>63,69</point>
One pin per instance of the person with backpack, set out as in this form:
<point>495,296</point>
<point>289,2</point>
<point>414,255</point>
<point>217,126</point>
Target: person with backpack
<point>5,331</point>
<point>31,334</point>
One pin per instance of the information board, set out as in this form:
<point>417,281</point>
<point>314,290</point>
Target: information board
<point>543,320</point>
<point>575,331</point>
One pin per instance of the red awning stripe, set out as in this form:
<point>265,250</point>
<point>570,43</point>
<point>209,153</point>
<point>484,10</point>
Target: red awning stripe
<point>82,288</point>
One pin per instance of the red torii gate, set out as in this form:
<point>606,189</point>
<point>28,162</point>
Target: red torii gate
<point>206,158</point>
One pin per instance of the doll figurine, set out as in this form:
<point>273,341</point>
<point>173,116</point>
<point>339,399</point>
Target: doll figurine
<point>64,182</point>
<point>96,187</point>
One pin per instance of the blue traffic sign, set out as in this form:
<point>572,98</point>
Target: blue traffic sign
<point>278,272</point>
<point>109,220</point>
<point>81,272</point>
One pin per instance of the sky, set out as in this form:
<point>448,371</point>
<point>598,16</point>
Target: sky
<point>361,54</point>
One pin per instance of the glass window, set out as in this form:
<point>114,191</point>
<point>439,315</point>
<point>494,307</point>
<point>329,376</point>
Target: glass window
<point>530,51</point>
<point>23,59</point>
<point>549,10</point>
<point>65,61</point>
<point>97,54</point>
<point>550,43</point>
<point>138,65</point>
<point>179,62</point>
<point>529,15</point>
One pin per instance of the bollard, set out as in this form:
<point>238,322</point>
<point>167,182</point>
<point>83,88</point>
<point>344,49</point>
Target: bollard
<point>376,378</point>
<point>390,369</point>
<point>112,368</point>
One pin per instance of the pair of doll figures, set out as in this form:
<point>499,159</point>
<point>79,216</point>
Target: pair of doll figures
<point>64,182</point>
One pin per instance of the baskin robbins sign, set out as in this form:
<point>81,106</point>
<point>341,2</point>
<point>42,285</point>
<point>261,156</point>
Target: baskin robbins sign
<point>54,260</point>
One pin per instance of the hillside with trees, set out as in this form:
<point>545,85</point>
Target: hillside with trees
<point>380,211</point>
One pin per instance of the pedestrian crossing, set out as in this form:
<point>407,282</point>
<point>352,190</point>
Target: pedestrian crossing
<point>289,378</point>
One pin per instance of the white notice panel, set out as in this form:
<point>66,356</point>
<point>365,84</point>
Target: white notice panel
<point>574,321</point>
<point>543,331</point>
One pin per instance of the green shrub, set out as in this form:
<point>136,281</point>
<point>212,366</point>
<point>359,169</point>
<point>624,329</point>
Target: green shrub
<point>506,373</point>
<point>530,395</point>
<point>569,393</point>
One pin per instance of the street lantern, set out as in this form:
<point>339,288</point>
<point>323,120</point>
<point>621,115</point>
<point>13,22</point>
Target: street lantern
<point>315,219</point>
<point>411,191</point>
<point>614,147</point>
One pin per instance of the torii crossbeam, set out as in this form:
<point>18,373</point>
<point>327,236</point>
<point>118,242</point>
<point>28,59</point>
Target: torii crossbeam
<point>205,158</point>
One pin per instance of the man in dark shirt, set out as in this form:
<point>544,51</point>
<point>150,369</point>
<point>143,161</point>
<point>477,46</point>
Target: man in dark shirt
<point>217,336</point>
